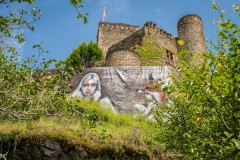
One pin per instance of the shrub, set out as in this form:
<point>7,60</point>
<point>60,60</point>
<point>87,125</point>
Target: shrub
<point>203,118</point>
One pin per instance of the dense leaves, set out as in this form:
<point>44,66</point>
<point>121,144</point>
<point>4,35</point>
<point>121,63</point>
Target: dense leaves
<point>15,19</point>
<point>28,92</point>
<point>203,116</point>
<point>28,88</point>
<point>84,56</point>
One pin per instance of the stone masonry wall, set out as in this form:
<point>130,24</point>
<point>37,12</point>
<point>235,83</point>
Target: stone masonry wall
<point>111,33</point>
<point>129,42</point>
<point>165,39</point>
<point>27,149</point>
<point>122,58</point>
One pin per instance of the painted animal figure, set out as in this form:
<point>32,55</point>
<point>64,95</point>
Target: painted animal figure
<point>150,89</point>
<point>152,96</point>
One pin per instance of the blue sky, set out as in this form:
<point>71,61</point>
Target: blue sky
<point>61,31</point>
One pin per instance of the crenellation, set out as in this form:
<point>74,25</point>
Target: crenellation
<point>118,25</point>
<point>150,24</point>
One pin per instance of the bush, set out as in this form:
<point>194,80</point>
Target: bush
<point>29,92</point>
<point>203,118</point>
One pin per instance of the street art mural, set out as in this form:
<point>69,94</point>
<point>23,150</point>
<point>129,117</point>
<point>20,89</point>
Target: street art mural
<point>124,89</point>
<point>89,88</point>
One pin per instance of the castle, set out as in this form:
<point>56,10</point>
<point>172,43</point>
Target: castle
<point>117,40</point>
<point>125,89</point>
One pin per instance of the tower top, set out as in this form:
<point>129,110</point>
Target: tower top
<point>189,18</point>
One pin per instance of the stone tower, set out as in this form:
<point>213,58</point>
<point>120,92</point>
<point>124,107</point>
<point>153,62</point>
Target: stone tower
<point>190,30</point>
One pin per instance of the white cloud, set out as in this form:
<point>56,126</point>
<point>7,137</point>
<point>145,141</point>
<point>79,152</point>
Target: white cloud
<point>12,42</point>
<point>119,6</point>
<point>159,12</point>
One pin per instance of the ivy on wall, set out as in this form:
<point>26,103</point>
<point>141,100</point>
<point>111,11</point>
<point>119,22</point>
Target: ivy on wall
<point>151,53</point>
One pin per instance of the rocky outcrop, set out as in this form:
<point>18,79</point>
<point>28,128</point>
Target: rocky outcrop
<point>55,150</point>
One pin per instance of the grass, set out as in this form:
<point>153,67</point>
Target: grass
<point>90,125</point>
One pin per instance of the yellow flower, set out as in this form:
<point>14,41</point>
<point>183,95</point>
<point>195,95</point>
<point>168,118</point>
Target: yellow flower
<point>198,119</point>
<point>219,65</point>
<point>180,42</point>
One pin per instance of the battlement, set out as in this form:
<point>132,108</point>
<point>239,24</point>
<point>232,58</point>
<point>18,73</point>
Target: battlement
<point>114,25</point>
<point>150,24</point>
<point>157,30</point>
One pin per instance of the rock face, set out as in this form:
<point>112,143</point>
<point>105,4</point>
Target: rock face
<point>52,150</point>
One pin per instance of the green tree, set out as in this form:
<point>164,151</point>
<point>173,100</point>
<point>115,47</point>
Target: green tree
<point>203,116</point>
<point>28,88</point>
<point>28,92</point>
<point>84,56</point>
<point>23,19</point>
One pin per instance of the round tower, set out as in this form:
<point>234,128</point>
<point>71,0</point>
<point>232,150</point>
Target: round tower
<point>190,30</point>
<point>122,58</point>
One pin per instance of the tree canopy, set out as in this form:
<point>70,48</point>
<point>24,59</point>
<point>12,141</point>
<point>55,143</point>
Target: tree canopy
<point>84,56</point>
<point>29,89</point>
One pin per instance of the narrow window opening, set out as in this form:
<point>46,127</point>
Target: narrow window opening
<point>170,57</point>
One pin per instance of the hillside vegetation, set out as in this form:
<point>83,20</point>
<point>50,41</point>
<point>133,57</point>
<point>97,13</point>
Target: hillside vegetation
<point>90,126</point>
<point>200,121</point>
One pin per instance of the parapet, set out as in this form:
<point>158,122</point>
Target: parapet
<point>114,25</point>
<point>150,24</point>
<point>159,31</point>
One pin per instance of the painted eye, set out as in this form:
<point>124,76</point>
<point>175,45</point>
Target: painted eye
<point>93,85</point>
<point>85,85</point>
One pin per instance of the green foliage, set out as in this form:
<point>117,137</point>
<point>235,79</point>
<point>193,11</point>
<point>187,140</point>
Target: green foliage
<point>19,1</point>
<point>84,56</point>
<point>78,6</point>
<point>88,124</point>
<point>27,91</point>
<point>151,53</point>
<point>202,119</point>
<point>16,20</point>
<point>24,19</point>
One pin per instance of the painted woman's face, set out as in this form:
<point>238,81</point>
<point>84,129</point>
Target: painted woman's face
<point>89,87</point>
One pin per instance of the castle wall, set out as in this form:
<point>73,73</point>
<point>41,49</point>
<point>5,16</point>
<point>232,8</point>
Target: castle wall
<point>111,33</point>
<point>165,39</point>
<point>129,42</point>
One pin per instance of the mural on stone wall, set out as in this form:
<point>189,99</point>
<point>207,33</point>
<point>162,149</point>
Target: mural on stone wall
<point>124,89</point>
